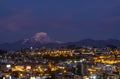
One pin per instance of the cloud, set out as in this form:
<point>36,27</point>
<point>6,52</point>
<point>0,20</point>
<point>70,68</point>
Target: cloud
<point>110,22</point>
<point>16,22</point>
<point>40,34</point>
<point>112,19</point>
<point>26,20</point>
<point>42,37</point>
<point>68,19</point>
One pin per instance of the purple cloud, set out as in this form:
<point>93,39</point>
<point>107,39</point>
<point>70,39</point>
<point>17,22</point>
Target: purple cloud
<point>25,19</point>
<point>15,22</point>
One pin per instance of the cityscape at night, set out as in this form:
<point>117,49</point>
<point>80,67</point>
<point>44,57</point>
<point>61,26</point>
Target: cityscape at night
<point>59,39</point>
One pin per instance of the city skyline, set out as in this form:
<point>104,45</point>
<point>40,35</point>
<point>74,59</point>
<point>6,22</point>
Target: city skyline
<point>62,20</point>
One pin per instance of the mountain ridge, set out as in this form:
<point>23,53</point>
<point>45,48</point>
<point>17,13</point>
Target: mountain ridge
<point>85,42</point>
<point>42,39</point>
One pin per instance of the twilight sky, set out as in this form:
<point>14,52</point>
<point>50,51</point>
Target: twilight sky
<point>64,20</point>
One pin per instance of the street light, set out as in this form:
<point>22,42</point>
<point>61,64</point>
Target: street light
<point>93,77</point>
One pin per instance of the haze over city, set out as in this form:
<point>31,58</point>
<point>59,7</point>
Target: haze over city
<point>64,20</point>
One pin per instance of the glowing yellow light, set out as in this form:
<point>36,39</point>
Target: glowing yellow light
<point>28,67</point>
<point>7,75</point>
<point>21,75</point>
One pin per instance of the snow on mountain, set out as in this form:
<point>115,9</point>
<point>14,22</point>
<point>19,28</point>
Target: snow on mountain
<point>40,37</point>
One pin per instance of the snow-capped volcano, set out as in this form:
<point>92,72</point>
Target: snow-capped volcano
<point>40,37</point>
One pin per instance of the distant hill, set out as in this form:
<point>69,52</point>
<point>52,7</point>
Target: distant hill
<point>96,43</point>
<point>38,40</point>
<point>52,44</point>
<point>42,39</point>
